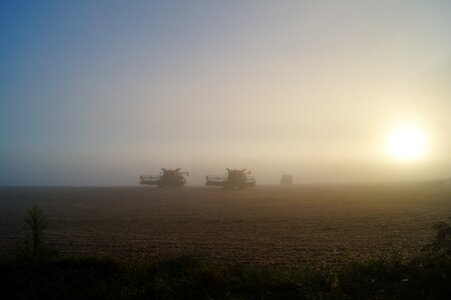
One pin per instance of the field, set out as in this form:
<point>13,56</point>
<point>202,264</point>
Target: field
<point>319,226</point>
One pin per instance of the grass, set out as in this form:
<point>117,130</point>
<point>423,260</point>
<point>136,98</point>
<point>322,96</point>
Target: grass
<point>191,278</point>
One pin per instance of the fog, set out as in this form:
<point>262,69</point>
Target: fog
<point>99,93</point>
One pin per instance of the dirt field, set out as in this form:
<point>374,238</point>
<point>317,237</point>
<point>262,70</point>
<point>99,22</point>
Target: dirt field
<point>315,225</point>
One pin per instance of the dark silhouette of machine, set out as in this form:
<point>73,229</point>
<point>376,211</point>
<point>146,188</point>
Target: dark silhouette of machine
<point>286,180</point>
<point>167,178</point>
<point>233,178</point>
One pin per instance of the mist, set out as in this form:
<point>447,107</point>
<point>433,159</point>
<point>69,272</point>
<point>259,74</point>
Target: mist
<point>99,93</point>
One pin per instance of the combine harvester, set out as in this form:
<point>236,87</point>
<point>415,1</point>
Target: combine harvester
<point>233,178</point>
<point>168,178</point>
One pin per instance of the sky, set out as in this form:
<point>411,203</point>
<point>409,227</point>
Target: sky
<point>99,92</point>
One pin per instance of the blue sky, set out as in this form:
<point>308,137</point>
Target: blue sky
<point>98,92</point>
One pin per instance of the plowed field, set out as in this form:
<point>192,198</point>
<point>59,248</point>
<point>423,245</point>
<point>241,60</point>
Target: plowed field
<point>314,225</point>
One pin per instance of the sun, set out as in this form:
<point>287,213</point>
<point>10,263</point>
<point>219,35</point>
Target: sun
<point>406,143</point>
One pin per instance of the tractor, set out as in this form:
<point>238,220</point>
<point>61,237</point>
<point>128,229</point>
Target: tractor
<point>286,180</point>
<point>167,178</point>
<point>232,179</point>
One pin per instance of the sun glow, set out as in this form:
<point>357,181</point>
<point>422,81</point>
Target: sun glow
<point>406,143</point>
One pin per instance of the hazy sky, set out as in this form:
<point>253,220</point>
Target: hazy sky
<point>99,92</point>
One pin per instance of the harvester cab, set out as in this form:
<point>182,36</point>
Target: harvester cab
<point>232,179</point>
<point>167,178</point>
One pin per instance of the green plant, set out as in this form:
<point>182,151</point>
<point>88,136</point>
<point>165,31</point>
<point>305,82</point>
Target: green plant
<point>441,245</point>
<point>35,247</point>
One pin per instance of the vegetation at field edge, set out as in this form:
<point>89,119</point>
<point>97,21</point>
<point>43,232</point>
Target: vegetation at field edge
<point>428,276</point>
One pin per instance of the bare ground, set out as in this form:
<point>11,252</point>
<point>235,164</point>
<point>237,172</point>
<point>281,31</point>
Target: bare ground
<point>306,225</point>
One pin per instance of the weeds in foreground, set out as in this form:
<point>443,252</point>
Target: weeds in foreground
<point>441,245</point>
<point>426,277</point>
<point>35,247</point>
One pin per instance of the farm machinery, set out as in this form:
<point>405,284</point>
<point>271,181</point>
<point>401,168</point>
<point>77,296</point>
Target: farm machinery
<point>286,180</point>
<point>233,178</point>
<point>167,178</point>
